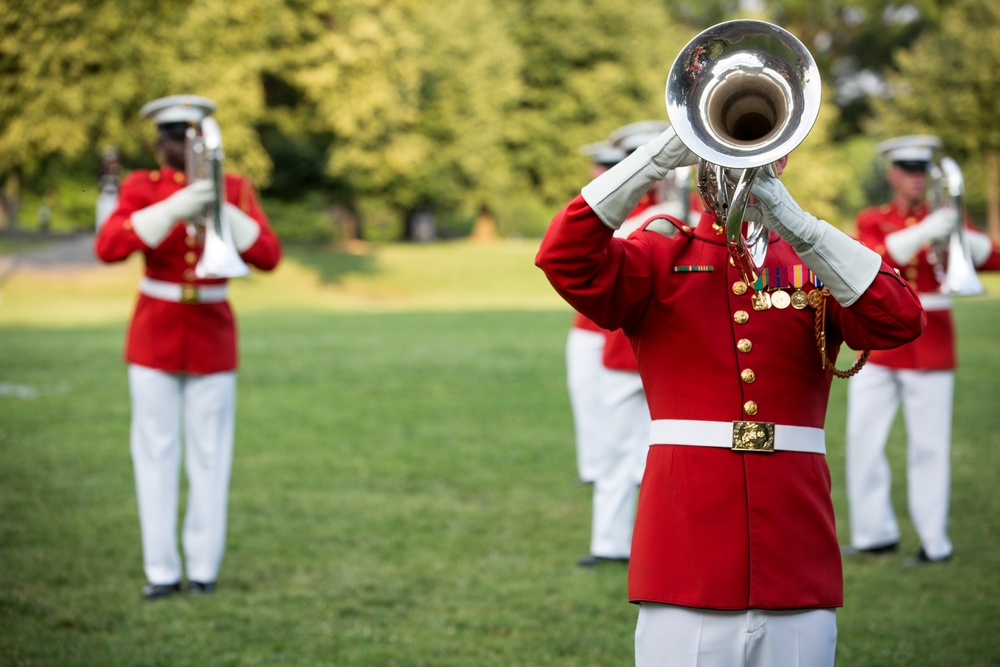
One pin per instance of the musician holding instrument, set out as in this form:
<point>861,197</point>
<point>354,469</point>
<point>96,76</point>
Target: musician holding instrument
<point>910,234</point>
<point>181,347</point>
<point>735,559</point>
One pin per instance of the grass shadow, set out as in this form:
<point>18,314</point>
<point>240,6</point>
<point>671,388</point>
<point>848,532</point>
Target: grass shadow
<point>333,263</point>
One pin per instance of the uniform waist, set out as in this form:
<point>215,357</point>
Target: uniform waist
<point>740,436</point>
<point>182,292</point>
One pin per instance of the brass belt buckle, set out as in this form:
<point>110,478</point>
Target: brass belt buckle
<point>753,437</point>
<point>189,294</point>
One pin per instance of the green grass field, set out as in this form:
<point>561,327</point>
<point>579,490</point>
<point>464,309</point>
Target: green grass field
<point>404,488</point>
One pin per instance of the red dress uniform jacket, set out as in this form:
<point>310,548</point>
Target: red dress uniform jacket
<point>717,528</point>
<point>935,349</point>
<point>180,337</point>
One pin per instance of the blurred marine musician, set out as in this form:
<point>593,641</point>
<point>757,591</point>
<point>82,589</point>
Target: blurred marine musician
<point>181,346</point>
<point>616,425</point>
<point>920,375</point>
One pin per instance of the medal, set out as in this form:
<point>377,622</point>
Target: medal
<point>815,298</point>
<point>760,301</point>
<point>799,299</point>
<point>780,299</point>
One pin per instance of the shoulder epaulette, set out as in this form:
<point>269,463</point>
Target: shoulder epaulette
<point>667,225</point>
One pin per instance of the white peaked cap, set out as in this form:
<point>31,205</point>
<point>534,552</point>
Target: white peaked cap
<point>178,109</point>
<point>631,136</point>
<point>911,148</point>
<point>602,152</point>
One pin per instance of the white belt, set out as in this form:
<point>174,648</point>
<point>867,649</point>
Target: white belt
<point>183,293</point>
<point>932,301</point>
<point>740,436</point>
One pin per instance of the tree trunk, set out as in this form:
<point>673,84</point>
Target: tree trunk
<point>992,195</point>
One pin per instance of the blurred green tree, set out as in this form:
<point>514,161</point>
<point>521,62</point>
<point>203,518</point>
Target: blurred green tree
<point>949,85</point>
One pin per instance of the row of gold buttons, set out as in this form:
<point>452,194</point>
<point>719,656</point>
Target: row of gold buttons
<point>744,345</point>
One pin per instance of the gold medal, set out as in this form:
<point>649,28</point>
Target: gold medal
<point>815,298</point>
<point>760,301</point>
<point>799,299</point>
<point>780,299</point>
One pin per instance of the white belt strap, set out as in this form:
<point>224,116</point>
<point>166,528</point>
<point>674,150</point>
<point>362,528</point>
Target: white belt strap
<point>183,293</point>
<point>741,436</point>
<point>932,301</point>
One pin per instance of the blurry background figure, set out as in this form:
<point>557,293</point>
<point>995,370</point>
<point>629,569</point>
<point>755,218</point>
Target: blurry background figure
<point>909,234</point>
<point>181,347</point>
<point>108,180</point>
<point>584,358</point>
<point>621,438</point>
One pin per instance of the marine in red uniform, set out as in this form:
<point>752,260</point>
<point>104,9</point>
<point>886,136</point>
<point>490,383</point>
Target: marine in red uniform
<point>919,375</point>
<point>181,348</point>
<point>729,536</point>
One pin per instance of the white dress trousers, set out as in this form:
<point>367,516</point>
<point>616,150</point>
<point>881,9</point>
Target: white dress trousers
<point>672,636</point>
<point>168,408</point>
<point>626,435</point>
<point>874,396</point>
<point>584,363</point>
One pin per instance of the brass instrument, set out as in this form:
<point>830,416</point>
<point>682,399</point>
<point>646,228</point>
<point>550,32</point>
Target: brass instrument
<point>204,159</point>
<point>741,95</point>
<point>955,260</point>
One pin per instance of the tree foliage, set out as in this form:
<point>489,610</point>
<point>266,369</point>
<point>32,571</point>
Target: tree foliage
<point>458,106</point>
<point>948,85</point>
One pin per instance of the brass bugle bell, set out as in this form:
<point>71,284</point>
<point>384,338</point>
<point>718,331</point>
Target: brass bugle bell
<point>741,95</point>
<point>948,189</point>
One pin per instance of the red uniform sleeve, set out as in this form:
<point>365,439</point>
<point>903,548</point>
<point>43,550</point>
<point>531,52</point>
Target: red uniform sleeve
<point>265,253</point>
<point>117,240</point>
<point>585,265</point>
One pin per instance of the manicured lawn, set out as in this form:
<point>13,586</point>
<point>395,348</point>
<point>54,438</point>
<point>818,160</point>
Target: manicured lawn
<point>404,487</point>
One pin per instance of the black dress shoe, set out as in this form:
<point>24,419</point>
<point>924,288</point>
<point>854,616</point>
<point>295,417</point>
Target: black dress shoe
<point>891,548</point>
<point>201,587</point>
<point>154,591</point>
<point>921,558</point>
<point>591,560</point>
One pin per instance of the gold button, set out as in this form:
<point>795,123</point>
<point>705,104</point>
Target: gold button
<point>739,288</point>
<point>190,257</point>
<point>189,274</point>
<point>748,375</point>
<point>179,177</point>
<point>741,316</point>
<point>910,221</point>
<point>750,407</point>
<point>127,224</point>
<point>685,229</point>
<point>744,345</point>
<point>154,176</point>
<point>190,241</point>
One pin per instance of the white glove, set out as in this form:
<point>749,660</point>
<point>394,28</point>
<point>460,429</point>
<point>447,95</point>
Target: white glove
<point>245,229</point>
<point>935,228</point>
<point>152,223</point>
<point>845,266</point>
<point>614,194</point>
<point>980,247</point>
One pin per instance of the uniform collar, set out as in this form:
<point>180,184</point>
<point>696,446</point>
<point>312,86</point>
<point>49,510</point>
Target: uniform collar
<point>901,211</point>
<point>168,173</point>
<point>708,231</point>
